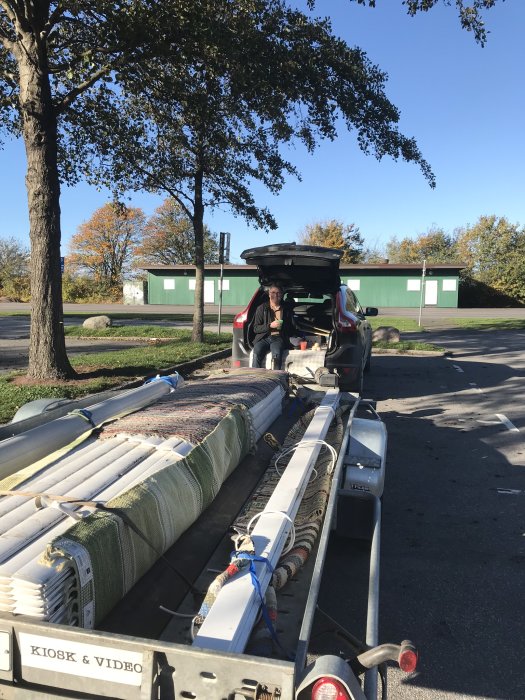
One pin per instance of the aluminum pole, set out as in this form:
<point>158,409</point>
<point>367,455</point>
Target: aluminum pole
<point>423,271</point>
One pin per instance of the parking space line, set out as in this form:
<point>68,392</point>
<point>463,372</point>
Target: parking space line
<point>507,423</point>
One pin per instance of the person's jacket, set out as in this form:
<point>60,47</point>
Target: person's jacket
<point>264,316</point>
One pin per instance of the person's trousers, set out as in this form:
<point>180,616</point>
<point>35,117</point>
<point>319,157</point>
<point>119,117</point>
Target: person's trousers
<point>273,344</point>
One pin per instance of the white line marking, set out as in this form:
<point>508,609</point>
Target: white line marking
<point>510,492</point>
<point>506,422</point>
<point>457,368</point>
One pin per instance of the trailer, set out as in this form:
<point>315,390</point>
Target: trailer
<point>208,623</point>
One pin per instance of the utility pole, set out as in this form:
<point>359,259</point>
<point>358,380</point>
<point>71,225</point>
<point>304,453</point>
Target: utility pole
<point>423,273</point>
<point>224,256</point>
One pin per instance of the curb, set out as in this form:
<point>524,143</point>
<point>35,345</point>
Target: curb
<point>417,353</point>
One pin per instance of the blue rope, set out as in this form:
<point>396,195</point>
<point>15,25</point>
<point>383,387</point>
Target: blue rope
<point>172,381</point>
<point>84,414</point>
<point>257,585</point>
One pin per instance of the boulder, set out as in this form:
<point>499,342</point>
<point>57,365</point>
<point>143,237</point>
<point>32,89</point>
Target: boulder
<point>97,322</point>
<point>386,334</point>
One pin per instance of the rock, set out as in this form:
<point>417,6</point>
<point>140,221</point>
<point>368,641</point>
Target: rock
<point>97,322</point>
<point>386,334</point>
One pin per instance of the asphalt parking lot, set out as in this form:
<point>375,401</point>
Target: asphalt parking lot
<point>453,535</point>
<point>453,531</point>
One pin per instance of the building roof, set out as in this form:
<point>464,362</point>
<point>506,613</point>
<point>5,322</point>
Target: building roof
<point>416,267</point>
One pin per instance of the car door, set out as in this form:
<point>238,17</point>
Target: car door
<point>363,326</point>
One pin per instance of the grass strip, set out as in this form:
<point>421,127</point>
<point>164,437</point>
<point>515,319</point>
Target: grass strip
<point>104,370</point>
<point>406,345</point>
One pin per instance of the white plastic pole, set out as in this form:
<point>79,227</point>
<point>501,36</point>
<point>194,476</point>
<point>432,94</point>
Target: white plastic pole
<point>27,448</point>
<point>228,625</point>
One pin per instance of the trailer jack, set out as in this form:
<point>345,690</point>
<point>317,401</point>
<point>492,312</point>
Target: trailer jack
<point>259,692</point>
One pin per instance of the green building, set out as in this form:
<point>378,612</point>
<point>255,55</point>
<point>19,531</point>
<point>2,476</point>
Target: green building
<point>382,285</point>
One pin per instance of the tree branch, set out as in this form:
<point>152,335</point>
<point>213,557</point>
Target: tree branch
<point>8,9</point>
<point>79,89</point>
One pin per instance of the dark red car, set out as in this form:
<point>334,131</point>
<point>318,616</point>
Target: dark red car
<point>326,312</point>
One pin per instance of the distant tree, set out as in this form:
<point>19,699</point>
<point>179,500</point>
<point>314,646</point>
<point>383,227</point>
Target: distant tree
<point>335,234</point>
<point>435,246</point>
<point>104,244</point>
<point>493,250</point>
<point>374,255</point>
<point>14,269</point>
<point>169,238</point>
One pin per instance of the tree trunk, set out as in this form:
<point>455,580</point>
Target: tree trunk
<point>198,228</point>
<point>47,349</point>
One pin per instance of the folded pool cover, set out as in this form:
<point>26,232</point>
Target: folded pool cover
<point>155,471</point>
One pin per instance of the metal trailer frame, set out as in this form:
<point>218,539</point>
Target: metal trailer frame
<point>43,661</point>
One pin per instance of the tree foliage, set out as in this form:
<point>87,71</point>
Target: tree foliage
<point>493,250</point>
<point>169,239</point>
<point>14,269</point>
<point>104,244</point>
<point>335,234</point>
<point>434,246</point>
<point>470,12</point>
<point>263,76</point>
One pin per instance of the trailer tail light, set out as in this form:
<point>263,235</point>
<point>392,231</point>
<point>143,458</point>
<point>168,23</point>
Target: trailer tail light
<point>407,659</point>
<point>329,689</point>
<point>240,319</point>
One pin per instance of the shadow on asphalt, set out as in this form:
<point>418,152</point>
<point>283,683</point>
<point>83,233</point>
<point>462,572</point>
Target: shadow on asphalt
<point>452,546</point>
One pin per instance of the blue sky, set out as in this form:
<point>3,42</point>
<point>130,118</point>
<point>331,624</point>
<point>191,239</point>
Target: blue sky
<point>464,104</point>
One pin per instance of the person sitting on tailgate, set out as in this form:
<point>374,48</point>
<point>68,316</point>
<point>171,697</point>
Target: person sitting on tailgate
<point>273,325</point>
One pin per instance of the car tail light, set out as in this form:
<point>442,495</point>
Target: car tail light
<point>345,323</point>
<point>240,319</point>
<point>329,689</point>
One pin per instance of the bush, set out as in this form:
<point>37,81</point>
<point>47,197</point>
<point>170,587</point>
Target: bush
<point>476,294</point>
<point>16,288</point>
<point>84,290</point>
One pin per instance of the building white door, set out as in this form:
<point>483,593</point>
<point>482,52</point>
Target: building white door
<point>431,292</point>
<point>209,292</point>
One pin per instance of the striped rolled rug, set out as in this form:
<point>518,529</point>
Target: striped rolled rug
<point>154,471</point>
